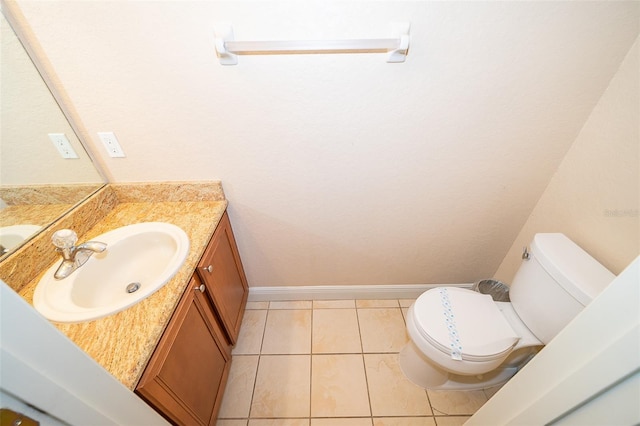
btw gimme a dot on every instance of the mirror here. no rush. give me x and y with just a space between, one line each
37 185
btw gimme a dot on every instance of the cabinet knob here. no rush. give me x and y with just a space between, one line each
201 287
208 268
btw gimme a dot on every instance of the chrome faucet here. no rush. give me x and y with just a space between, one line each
73 256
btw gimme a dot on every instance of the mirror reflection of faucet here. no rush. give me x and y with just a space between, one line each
73 256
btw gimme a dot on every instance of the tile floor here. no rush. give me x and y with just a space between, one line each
333 363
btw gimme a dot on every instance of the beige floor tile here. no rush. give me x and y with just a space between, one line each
456 402
335 331
338 386
452 420
382 330
287 332
377 303
257 305
237 395
404 421
390 392
279 422
334 304
251 332
231 423
354 421
405 303
291 304
289 387
283 387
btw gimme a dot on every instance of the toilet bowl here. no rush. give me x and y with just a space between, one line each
476 337
464 340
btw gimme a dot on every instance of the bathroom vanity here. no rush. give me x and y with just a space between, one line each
173 349
185 377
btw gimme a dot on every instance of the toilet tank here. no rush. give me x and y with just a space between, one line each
555 284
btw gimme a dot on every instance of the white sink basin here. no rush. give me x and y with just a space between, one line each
13 236
144 255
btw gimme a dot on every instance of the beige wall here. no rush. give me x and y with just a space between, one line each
343 169
593 197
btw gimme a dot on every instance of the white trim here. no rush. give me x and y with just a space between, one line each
41 367
338 292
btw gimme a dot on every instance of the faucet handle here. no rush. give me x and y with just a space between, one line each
64 238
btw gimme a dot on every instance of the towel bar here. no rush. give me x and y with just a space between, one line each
228 49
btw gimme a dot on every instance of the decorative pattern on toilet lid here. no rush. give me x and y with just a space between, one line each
450 319
463 323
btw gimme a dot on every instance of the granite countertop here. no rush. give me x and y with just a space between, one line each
40 204
35 214
124 342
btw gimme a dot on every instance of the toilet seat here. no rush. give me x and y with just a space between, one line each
463 324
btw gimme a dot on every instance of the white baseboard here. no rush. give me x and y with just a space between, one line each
338 292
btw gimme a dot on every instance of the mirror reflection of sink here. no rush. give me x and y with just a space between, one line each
139 260
12 236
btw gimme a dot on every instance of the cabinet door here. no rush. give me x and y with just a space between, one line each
221 270
186 375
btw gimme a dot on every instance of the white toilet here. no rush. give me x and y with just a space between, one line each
463 340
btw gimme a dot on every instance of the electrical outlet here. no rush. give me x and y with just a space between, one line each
111 144
62 144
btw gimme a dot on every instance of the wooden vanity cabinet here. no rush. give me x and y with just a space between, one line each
221 271
185 378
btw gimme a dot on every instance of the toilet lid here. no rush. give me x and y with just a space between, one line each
463 323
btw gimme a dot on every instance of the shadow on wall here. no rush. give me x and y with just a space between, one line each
393 258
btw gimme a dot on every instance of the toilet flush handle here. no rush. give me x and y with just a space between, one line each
525 253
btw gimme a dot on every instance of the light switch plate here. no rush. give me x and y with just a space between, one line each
111 144
63 145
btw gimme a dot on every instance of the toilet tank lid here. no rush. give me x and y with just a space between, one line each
573 268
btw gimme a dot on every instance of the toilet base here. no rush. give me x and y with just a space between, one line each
420 371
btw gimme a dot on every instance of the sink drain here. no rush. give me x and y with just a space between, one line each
131 288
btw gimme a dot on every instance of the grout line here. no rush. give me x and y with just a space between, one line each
311 366
364 364
255 379
433 413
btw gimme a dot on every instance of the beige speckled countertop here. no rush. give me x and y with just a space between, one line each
123 343
35 214
40 204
